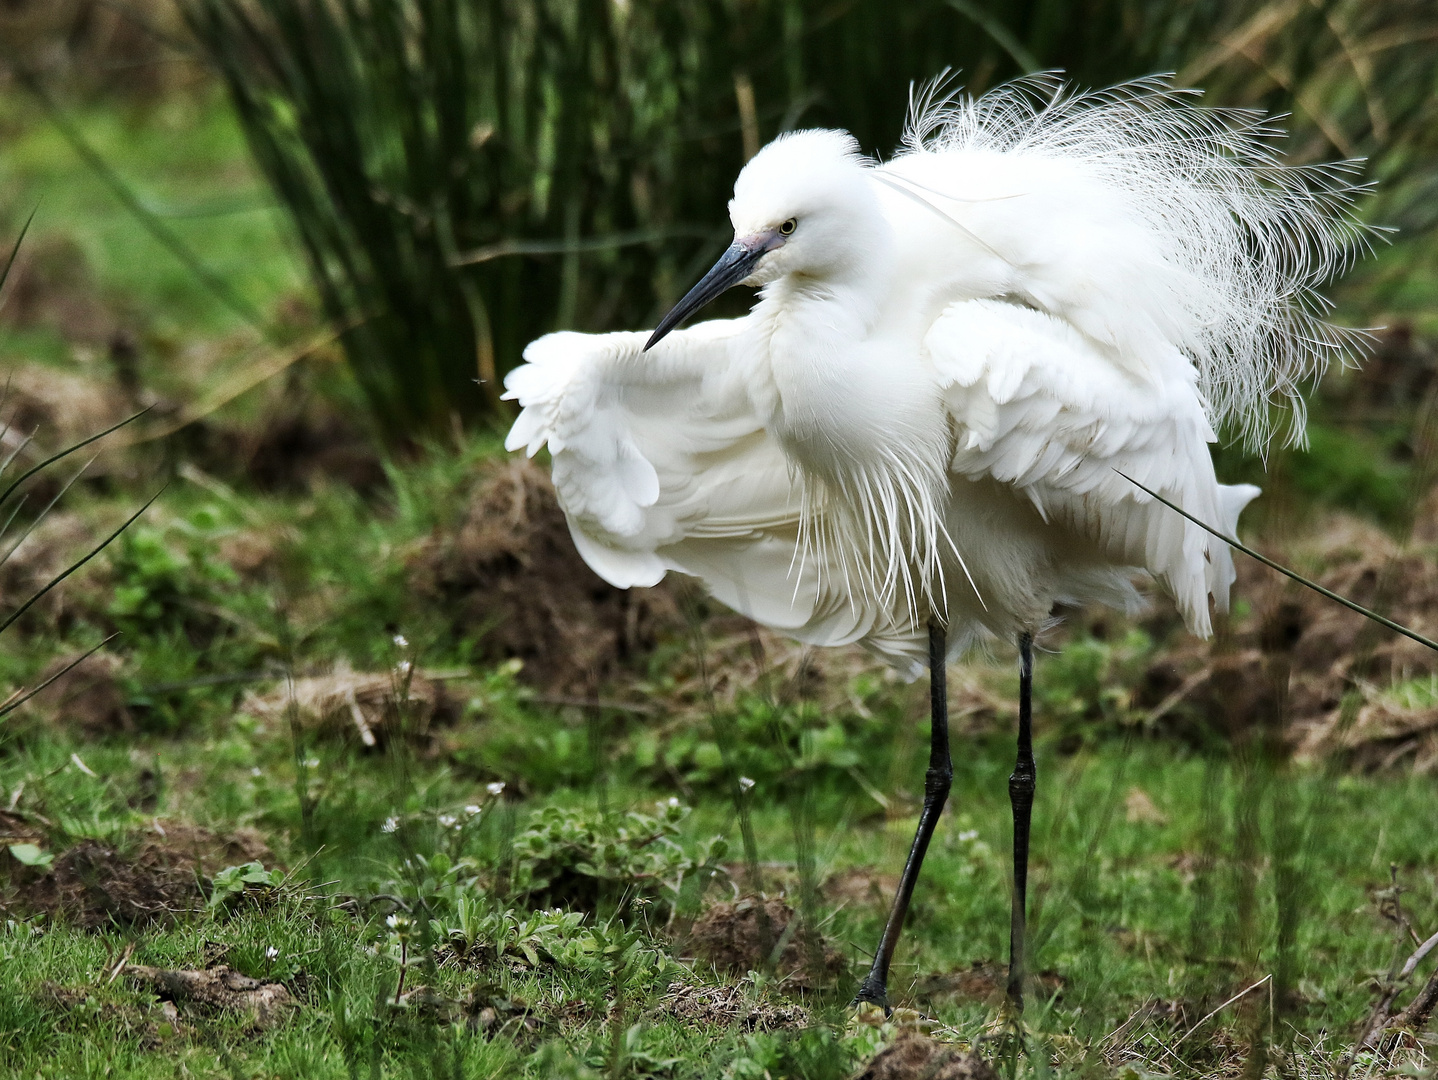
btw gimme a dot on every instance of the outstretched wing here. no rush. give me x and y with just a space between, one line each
661 462
1038 407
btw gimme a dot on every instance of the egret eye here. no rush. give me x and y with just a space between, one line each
788 227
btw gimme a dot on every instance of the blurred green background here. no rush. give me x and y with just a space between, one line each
440 181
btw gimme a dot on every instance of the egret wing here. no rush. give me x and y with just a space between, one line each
662 462
1038 407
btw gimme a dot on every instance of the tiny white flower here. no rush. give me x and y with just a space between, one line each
968 834
255 772
471 809
401 641
745 784
673 801
447 820
312 763
390 824
402 667
495 788
271 953
392 922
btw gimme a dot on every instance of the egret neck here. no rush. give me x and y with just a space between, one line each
861 417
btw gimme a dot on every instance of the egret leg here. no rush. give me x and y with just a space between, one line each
937 781
1021 797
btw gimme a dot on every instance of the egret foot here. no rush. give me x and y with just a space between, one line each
1021 798
937 781
872 993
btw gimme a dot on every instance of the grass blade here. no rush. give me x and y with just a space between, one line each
153 224
1398 628
10 706
68 451
28 604
40 516
15 250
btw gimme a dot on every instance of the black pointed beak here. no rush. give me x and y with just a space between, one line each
736 264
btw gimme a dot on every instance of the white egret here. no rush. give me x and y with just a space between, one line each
921 435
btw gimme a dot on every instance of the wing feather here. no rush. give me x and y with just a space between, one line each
662 462
1038 407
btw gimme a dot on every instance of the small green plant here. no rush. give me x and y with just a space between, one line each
817 1052
482 932
167 577
31 855
576 856
773 744
250 882
1086 690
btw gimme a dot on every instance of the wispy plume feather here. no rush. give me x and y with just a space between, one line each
1245 240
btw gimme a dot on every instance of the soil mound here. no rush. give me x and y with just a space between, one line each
88 699
511 575
750 934
96 884
1300 655
215 989
914 1057
363 704
986 981
59 540
728 1006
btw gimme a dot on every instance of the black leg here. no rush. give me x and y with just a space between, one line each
875 987
1021 797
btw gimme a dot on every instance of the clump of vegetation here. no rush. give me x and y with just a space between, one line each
440 161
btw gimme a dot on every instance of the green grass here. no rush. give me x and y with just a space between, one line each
1120 914
1182 907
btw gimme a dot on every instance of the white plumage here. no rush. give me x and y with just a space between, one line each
953 355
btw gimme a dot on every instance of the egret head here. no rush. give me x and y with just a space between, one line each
802 205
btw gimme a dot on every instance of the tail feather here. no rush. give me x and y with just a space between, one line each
1232 499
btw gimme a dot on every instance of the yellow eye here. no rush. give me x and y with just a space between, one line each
788 227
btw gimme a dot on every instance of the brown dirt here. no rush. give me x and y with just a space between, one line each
99 46
914 1057
88 700
215 989
1322 650
94 884
986 981
57 542
251 553
861 886
51 286
295 449
204 849
1139 808
18 829
59 408
510 572
726 1006
741 936
358 704
299 441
